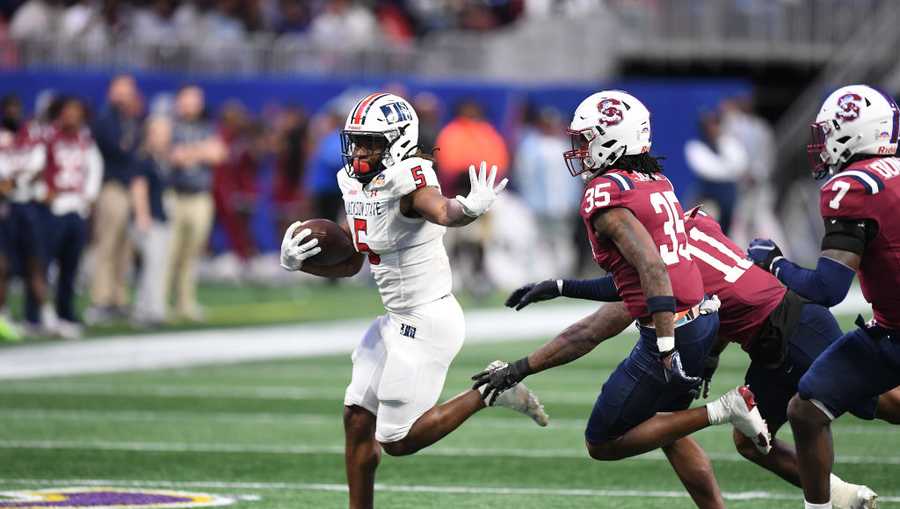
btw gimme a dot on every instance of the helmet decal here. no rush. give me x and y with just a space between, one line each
359 114
396 112
895 123
610 113
849 107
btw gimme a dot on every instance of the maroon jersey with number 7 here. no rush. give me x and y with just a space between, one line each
870 189
653 202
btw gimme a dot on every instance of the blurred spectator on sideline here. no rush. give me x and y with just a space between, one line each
320 181
719 161
234 180
30 218
550 193
196 148
468 139
117 132
10 124
755 215
73 175
291 148
428 107
152 233
155 24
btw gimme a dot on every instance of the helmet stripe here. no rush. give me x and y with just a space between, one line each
359 115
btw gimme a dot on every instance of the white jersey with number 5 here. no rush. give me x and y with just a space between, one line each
406 254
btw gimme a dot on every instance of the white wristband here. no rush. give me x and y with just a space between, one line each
665 343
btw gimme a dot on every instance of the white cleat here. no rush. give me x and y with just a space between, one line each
745 417
845 495
521 399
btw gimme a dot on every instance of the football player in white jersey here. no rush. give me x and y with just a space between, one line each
397 217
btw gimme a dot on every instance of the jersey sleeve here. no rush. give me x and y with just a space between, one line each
605 192
849 196
414 174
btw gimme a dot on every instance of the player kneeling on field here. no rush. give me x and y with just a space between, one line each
397 216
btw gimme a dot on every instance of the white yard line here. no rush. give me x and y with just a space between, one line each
300 419
224 346
406 488
338 449
227 346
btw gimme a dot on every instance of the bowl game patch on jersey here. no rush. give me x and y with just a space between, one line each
130 498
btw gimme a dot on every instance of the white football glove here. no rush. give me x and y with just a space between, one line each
483 192
293 253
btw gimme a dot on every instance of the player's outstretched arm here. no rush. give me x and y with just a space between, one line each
574 342
601 289
827 284
429 203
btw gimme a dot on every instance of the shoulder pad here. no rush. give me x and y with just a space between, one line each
408 175
848 193
605 191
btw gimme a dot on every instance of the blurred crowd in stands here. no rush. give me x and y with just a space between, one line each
134 201
352 22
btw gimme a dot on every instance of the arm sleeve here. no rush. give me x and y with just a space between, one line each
601 289
827 284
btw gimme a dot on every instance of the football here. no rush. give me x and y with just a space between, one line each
336 244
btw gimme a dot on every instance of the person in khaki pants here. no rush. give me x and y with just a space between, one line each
117 131
196 148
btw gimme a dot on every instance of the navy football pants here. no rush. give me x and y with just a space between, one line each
774 388
637 389
852 370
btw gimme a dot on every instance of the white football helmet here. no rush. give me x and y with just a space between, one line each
856 119
606 126
386 126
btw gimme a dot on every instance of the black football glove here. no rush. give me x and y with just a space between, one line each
710 365
674 373
533 292
764 252
500 379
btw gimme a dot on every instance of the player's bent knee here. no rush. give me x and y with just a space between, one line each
803 412
600 451
745 447
358 421
889 406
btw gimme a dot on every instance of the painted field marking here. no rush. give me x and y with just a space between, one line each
174 447
402 488
482 421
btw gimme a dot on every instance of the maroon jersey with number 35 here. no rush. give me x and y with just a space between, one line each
748 293
870 189
652 201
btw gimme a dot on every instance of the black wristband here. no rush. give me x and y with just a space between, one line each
522 368
661 303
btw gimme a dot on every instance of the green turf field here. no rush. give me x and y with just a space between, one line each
273 431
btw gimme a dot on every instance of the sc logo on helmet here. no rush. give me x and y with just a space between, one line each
610 114
849 107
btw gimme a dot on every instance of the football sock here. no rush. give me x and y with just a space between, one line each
716 412
809 505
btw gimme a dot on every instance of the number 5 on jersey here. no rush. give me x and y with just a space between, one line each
359 239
